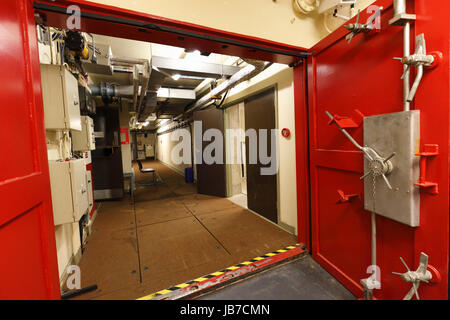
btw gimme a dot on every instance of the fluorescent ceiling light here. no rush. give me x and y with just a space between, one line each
176 77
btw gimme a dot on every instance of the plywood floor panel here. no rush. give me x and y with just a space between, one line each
169 235
151 212
244 234
110 219
148 193
110 261
175 246
210 205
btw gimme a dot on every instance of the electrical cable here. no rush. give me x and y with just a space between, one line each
223 100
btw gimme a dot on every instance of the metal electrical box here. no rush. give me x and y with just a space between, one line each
84 140
103 65
399 133
90 191
69 190
60 97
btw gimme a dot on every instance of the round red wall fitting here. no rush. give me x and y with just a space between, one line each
285 132
438 57
435 273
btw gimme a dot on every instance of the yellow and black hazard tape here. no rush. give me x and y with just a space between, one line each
218 273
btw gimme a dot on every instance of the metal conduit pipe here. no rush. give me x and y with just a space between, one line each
406 52
254 67
145 82
416 83
113 90
125 90
225 96
136 88
373 221
399 9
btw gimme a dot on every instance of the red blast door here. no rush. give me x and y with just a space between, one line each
28 263
362 75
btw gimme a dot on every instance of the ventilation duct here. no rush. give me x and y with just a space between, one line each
254 67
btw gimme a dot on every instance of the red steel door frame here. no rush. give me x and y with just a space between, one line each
363 76
124 23
431 237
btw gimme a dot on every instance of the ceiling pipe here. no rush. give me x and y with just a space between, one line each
113 90
144 88
127 61
136 80
130 90
254 67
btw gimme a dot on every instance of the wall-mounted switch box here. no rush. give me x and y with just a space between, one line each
84 140
69 190
60 97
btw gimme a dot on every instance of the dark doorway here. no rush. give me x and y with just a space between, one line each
107 156
261 189
211 178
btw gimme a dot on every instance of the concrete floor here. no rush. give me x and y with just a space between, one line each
301 279
169 235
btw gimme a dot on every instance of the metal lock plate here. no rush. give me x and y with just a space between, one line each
399 133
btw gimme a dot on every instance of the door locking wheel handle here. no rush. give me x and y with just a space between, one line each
378 166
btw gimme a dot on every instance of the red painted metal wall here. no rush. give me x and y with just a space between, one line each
363 76
338 77
28 265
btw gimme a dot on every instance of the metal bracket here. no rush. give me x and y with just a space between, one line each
424 273
347 122
402 18
346 197
429 150
419 59
357 28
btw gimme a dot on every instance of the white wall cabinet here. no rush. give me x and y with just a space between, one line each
84 140
60 97
69 190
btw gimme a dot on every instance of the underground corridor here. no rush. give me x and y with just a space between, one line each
167 167
168 235
256 150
